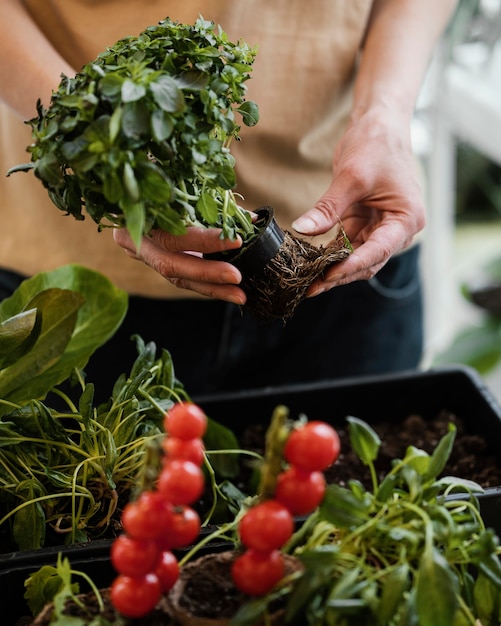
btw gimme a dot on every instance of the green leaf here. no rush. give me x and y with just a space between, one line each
219 437
135 215
364 440
436 591
17 335
250 113
167 94
29 526
441 454
101 313
41 587
487 600
342 508
395 584
130 183
132 91
208 208
58 310
162 125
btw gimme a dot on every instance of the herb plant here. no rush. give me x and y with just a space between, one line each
140 136
413 551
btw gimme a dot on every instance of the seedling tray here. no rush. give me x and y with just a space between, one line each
459 390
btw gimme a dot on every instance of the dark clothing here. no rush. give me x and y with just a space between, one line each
364 328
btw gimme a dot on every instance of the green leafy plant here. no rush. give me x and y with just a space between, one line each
414 550
65 475
51 324
56 583
141 135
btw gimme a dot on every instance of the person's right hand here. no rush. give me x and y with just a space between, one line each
179 259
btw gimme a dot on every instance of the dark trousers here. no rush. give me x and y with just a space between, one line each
365 328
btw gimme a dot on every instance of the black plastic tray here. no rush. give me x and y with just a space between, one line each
457 389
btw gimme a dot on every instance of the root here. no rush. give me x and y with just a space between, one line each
282 286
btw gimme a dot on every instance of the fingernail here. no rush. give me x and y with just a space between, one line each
304 225
240 300
229 277
317 292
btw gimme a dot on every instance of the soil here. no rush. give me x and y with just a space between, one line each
281 287
471 459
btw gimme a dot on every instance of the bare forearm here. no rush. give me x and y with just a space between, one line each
400 39
30 68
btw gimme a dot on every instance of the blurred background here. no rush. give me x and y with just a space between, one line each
457 134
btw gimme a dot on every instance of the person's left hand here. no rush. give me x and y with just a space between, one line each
376 195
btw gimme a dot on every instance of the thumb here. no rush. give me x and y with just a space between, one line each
325 213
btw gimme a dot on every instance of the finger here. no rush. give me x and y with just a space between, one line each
228 293
329 208
365 261
188 266
203 240
196 239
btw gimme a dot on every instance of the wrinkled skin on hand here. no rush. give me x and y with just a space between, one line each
178 258
376 194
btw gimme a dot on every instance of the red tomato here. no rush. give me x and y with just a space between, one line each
185 420
301 492
266 526
183 529
181 482
147 517
185 449
256 573
134 557
312 447
167 570
135 596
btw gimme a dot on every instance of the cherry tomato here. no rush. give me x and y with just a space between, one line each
135 596
256 573
180 482
185 420
147 517
183 530
312 447
134 557
167 570
185 449
266 526
301 492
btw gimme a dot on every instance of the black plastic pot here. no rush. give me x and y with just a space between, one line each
252 257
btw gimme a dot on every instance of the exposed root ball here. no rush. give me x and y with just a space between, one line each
282 285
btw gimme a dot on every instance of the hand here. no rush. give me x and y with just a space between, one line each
375 193
179 260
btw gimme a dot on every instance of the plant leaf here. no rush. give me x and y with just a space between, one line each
29 526
436 591
58 309
364 440
342 508
17 335
487 601
102 311
441 454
